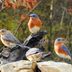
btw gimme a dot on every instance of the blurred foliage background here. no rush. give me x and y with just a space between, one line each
56 16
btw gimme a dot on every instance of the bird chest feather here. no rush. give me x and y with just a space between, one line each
34 22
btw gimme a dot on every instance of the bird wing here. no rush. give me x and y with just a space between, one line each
32 51
66 49
11 38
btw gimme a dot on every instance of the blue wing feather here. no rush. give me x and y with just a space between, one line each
66 49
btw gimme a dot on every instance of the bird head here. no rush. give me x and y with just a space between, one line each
3 31
32 51
33 16
60 41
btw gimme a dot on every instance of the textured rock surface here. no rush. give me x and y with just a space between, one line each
20 66
51 66
27 66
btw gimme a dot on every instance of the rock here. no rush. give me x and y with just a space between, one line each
50 66
28 66
5 52
33 40
19 66
18 53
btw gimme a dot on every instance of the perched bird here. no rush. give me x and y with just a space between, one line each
61 50
34 23
35 54
8 39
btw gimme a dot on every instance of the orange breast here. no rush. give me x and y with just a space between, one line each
60 50
34 22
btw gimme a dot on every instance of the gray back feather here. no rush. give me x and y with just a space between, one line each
10 37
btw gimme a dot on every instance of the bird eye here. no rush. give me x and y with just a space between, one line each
33 16
36 52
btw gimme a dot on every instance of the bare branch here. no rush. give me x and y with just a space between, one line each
1 5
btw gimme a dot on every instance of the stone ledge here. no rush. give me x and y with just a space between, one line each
19 66
28 66
51 66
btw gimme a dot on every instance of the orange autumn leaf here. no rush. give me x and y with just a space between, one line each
7 3
29 0
31 3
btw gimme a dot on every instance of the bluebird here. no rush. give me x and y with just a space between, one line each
34 23
61 50
35 54
8 39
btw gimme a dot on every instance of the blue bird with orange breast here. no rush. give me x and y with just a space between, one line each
34 23
61 50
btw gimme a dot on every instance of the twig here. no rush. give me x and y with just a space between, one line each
62 18
63 13
2 6
2 9
69 30
27 15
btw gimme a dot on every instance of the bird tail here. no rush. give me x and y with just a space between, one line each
23 47
46 55
19 46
